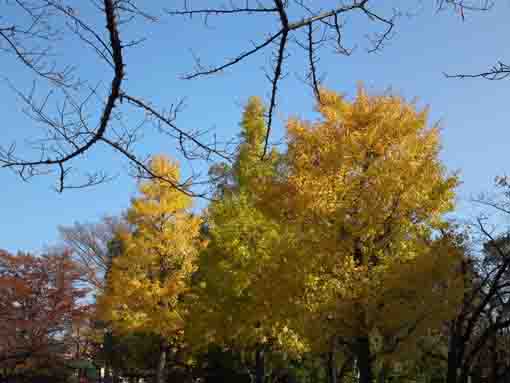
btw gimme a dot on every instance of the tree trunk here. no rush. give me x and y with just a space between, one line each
493 375
332 375
115 376
259 365
364 360
381 377
107 377
452 366
347 365
160 372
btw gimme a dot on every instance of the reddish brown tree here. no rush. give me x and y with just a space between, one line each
41 299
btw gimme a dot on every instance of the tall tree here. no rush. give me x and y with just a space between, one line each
234 306
364 190
148 281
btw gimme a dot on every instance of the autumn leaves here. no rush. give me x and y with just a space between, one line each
336 238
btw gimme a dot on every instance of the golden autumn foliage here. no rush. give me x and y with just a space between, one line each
235 293
148 280
362 196
341 239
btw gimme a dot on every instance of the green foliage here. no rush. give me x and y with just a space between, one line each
231 308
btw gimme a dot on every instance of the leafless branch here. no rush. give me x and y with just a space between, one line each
477 5
481 316
145 171
313 61
500 71
181 134
284 36
60 159
204 72
220 11
66 110
88 113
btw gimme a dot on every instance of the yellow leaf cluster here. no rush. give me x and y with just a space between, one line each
364 192
238 287
148 280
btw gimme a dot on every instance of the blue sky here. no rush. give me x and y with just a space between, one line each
474 114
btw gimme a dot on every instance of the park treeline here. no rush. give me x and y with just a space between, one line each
331 258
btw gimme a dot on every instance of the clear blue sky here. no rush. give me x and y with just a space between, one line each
474 113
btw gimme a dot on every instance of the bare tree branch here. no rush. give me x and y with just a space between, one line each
72 127
281 10
7 160
242 56
182 135
500 71
88 113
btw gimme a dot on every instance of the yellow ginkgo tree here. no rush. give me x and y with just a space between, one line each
365 193
148 281
235 289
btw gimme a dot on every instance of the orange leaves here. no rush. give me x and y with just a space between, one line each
40 298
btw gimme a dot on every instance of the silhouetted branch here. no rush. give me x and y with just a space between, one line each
473 5
77 114
59 159
313 61
66 111
499 71
204 72
182 135
282 11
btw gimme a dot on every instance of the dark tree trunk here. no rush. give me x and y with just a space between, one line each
347 366
259 365
160 371
107 374
381 377
364 360
115 376
493 377
332 367
451 375
453 359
